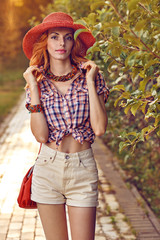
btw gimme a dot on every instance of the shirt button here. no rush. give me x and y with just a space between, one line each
67 157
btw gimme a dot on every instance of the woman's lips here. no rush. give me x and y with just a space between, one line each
61 51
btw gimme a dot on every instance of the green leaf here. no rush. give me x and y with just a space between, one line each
82 22
158 133
132 4
132 134
140 25
143 84
158 81
92 18
146 131
117 100
124 95
118 88
98 4
127 109
116 31
156 22
123 145
157 120
135 107
76 34
149 115
143 107
151 63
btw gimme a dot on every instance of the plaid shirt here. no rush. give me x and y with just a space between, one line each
70 113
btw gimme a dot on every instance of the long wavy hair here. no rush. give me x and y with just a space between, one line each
40 56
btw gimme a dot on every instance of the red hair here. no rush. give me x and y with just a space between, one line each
40 54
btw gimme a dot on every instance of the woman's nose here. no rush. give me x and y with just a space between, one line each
62 41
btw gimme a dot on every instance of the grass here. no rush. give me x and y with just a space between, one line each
11 85
8 100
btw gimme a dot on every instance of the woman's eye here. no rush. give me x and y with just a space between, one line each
54 37
69 38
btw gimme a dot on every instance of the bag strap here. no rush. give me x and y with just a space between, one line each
39 90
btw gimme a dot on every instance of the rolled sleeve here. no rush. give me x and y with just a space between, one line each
28 98
101 87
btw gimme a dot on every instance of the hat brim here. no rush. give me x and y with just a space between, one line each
33 35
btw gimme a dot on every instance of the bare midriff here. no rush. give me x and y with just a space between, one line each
69 145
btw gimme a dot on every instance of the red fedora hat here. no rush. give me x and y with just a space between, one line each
56 19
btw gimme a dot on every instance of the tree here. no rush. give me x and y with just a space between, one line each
128 40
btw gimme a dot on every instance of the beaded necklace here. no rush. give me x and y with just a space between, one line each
62 78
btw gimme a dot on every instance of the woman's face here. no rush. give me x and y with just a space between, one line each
60 43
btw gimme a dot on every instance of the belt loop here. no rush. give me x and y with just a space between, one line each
54 156
79 159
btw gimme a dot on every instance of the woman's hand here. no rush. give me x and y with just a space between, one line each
29 75
92 70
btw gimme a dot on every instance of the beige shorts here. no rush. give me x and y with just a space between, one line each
70 178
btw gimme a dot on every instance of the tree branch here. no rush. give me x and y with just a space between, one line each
116 60
124 21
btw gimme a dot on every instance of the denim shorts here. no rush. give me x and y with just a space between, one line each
70 178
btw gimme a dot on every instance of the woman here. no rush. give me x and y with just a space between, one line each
66 96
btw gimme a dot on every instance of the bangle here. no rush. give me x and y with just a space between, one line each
34 108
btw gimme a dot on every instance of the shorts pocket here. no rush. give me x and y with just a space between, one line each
89 164
43 160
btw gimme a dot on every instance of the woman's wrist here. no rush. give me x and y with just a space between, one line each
90 83
33 86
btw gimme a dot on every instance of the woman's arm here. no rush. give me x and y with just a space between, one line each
39 125
98 115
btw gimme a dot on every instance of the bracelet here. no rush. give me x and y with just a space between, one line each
34 108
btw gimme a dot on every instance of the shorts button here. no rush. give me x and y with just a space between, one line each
67 157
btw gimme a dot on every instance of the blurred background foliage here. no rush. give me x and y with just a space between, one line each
127 51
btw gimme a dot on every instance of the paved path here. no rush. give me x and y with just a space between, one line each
18 150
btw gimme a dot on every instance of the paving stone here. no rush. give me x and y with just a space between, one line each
17 219
5 216
105 220
102 205
10 238
27 236
39 231
129 237
3 229
113 235
39 238
107 227
98 229
13 233
124 227
100 238
2 236
28 228
105 187
120 216
15 226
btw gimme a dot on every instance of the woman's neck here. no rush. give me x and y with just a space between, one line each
60 68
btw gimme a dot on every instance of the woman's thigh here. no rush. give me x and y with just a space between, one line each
82 222
53 218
